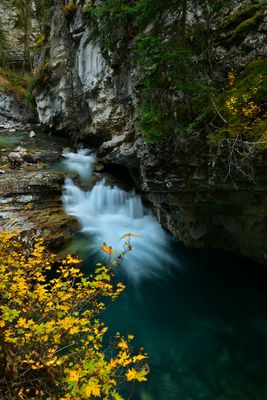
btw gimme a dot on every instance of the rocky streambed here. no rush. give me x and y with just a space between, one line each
31 182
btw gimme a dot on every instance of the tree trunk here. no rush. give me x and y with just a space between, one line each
183 21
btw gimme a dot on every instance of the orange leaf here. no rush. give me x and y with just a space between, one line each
107 249
129 235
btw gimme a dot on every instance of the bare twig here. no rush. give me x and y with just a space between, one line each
241 157
218 112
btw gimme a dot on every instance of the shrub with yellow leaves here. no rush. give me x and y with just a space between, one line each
244 107
51 341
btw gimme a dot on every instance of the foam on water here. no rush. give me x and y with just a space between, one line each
106 213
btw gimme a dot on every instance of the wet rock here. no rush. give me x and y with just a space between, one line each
21 156
31 182
99 167
30 198
16 157
32 203
32 134
42 156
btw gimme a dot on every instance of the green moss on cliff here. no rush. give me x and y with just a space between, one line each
245 13
40 41
245 20
87 10
255 71
42 76
247 25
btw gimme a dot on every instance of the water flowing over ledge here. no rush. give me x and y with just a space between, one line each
106 213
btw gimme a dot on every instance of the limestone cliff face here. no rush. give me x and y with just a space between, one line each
83 95
91 93
14 111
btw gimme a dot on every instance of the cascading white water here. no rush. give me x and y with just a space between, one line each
81 162
107 213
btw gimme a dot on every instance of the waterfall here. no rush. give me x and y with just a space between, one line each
107 213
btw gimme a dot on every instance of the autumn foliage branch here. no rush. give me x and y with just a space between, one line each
51 340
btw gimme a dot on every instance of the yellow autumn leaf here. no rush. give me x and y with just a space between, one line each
112 363
124 359
130 337
73 376
139 357
53 361
139 376
72 260
131 374
92 388
22 322
123 344
74 330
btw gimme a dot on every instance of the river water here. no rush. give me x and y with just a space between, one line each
201 315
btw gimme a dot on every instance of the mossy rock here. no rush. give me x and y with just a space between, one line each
87 11
249 24
40 41
245 13
249 78
42 77
246 20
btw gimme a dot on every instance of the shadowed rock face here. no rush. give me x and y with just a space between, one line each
92 94
14 112
191 199
30 197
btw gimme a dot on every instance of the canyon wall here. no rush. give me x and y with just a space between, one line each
200 191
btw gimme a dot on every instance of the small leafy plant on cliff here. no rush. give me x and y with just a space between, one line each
243 104
14 82
69 9
245 108
42 75
51 339
40 40
243 114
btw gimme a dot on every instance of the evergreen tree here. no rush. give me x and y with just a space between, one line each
3 45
